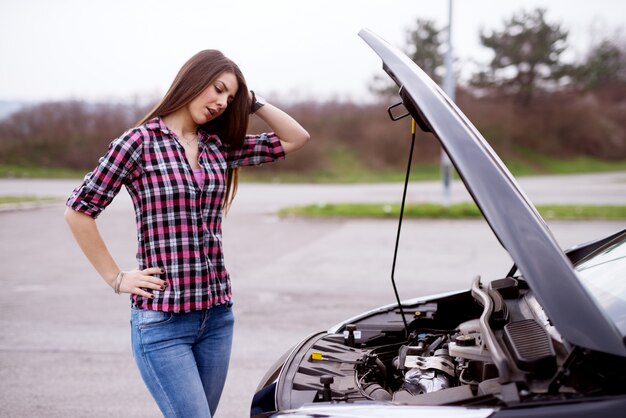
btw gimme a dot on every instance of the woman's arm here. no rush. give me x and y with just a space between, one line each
90 241
292 135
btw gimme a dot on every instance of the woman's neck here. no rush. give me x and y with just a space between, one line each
181 123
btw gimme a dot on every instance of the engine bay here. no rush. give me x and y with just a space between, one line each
490 346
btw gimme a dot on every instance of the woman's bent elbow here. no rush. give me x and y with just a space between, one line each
71 216
302 139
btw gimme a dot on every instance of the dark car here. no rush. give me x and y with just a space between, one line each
546 339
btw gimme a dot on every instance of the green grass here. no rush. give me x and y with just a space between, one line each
530 162
12 199
583 165
613 212
457 211
24 171
345 167
424 173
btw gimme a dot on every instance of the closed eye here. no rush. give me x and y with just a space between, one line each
219 88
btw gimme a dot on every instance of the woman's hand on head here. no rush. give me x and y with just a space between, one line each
137 281
292 135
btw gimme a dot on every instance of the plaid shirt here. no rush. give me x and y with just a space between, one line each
179 225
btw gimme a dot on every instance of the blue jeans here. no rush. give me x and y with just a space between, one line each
183 357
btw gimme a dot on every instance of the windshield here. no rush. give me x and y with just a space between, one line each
604 274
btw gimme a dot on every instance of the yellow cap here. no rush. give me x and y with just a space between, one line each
316 355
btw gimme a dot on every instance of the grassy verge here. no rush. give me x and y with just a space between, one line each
15 200
542 164
345 167
19 171
457 211
424 173
350 172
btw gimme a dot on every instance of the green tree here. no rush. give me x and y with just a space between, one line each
604 65
527 53
424 45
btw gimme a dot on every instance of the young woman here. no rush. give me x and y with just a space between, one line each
180 169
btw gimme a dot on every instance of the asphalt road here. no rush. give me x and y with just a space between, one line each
65 341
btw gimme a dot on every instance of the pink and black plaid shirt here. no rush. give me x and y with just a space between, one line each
179 225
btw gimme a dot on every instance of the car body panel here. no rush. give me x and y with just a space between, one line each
384 410
511 216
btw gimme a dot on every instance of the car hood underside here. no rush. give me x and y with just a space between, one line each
511 216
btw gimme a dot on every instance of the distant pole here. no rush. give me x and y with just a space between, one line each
448 87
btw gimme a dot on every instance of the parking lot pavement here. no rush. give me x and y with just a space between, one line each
65 343
598 188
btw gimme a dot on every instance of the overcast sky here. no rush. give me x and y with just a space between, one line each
290 49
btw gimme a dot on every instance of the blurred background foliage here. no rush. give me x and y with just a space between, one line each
540 113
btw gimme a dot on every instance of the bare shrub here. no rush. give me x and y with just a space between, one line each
70 134
75 134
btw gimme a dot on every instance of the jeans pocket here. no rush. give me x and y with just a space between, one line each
147 318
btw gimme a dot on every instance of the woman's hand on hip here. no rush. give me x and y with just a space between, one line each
136 281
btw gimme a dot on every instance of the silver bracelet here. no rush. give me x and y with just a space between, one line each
118 281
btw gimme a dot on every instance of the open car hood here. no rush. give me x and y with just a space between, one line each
511 216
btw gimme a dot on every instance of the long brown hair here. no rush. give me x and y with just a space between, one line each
231 126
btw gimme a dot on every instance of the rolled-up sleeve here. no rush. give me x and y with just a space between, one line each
257 149
117 167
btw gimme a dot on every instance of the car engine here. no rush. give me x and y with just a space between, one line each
484 347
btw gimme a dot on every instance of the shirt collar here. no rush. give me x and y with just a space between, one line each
206 137
157 124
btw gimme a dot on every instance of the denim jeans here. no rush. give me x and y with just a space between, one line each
183 357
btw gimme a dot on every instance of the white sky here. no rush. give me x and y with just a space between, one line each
291 49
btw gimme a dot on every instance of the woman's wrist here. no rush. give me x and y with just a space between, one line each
118 282
257 102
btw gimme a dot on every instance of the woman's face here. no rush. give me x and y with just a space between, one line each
214 100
